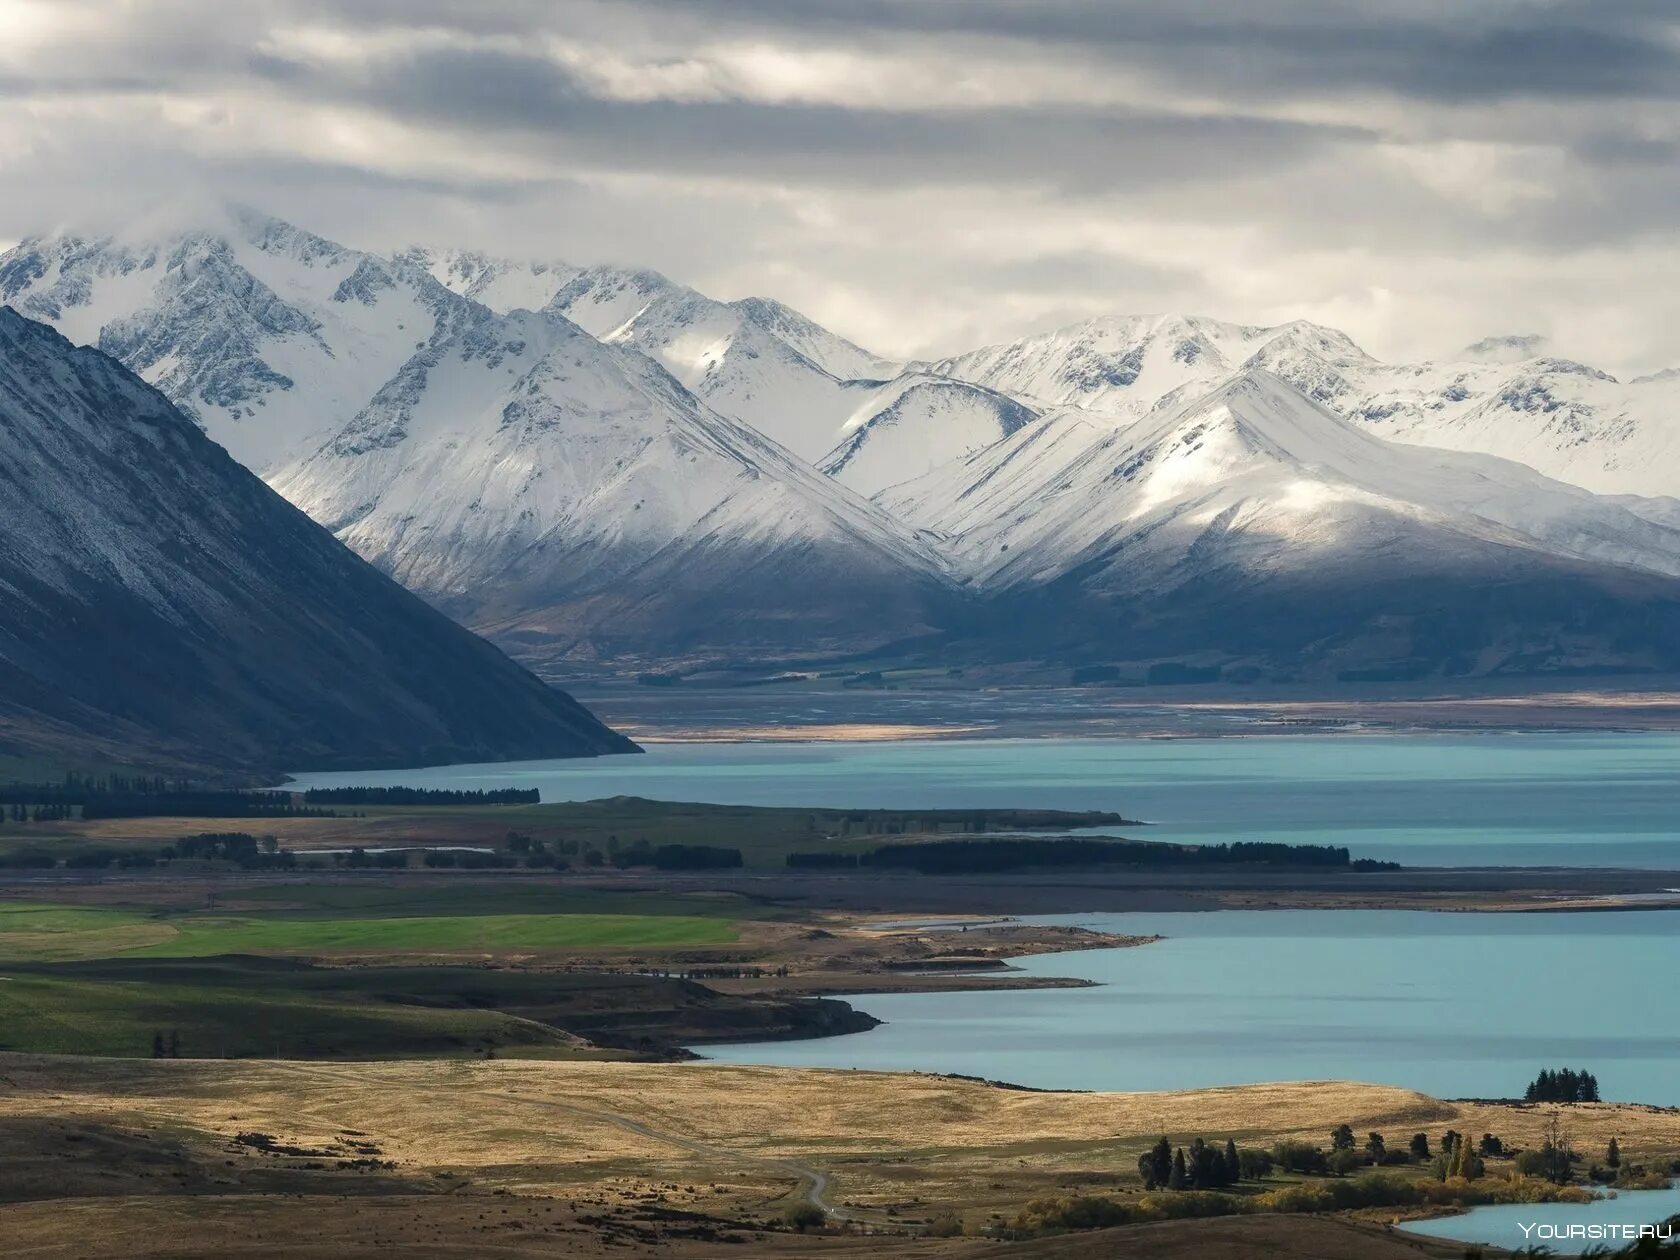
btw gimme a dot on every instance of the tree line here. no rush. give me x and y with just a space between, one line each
1563 1085
966 857
421 796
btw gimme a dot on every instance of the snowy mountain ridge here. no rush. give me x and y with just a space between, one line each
530 478
1566 419
601 464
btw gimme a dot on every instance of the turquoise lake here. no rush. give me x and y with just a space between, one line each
1482 800
1549 1224
1455 1005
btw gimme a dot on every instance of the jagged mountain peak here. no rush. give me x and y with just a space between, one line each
1124 365
500 283
265 333
840 358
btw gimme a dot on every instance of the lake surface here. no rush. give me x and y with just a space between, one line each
1501 1225
1455 1005
1605 799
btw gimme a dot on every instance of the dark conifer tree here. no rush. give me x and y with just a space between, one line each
1178 1179
1161 1157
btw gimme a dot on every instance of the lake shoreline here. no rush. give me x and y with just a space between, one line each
1302 994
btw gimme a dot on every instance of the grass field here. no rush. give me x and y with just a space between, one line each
488 934
240 1007
303 920
57 1015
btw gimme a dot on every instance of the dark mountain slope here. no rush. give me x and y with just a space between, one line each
160 604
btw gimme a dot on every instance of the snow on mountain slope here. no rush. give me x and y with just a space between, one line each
721 352
266 334
1123 365
159 605
1567 420
829 351
1664 511
1250 521
502 284
1263 460
572 498
915 423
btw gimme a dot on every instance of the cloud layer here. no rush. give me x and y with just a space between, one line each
923 175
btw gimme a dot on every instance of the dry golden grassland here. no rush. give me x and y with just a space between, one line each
555 1143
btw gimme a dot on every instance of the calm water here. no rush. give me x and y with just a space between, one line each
1502 1225
1530 799
1456 1005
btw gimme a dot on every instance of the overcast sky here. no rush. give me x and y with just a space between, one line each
921 175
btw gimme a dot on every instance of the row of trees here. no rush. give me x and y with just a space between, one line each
18 812
200 805
1564 1085
422 796
975 856
1203 1166
77 789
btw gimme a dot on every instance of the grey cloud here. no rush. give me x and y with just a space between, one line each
1486 50
1077 149
903 217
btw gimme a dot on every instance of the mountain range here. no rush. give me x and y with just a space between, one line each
600 467
161 604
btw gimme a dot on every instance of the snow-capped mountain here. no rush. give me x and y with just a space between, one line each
829 351
266 334
1123 365
915 423
160 605
602 463
573 498
1565 419
1250 519
502 284
747 360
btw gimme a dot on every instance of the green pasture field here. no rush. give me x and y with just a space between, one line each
47 932
51 1014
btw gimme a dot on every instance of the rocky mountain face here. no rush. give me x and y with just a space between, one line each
599 465
267 335
158 597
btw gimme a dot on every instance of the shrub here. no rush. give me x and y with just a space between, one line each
1075 1212
1343 1161
1299 1157
1189 1204
804 1216
945 1225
